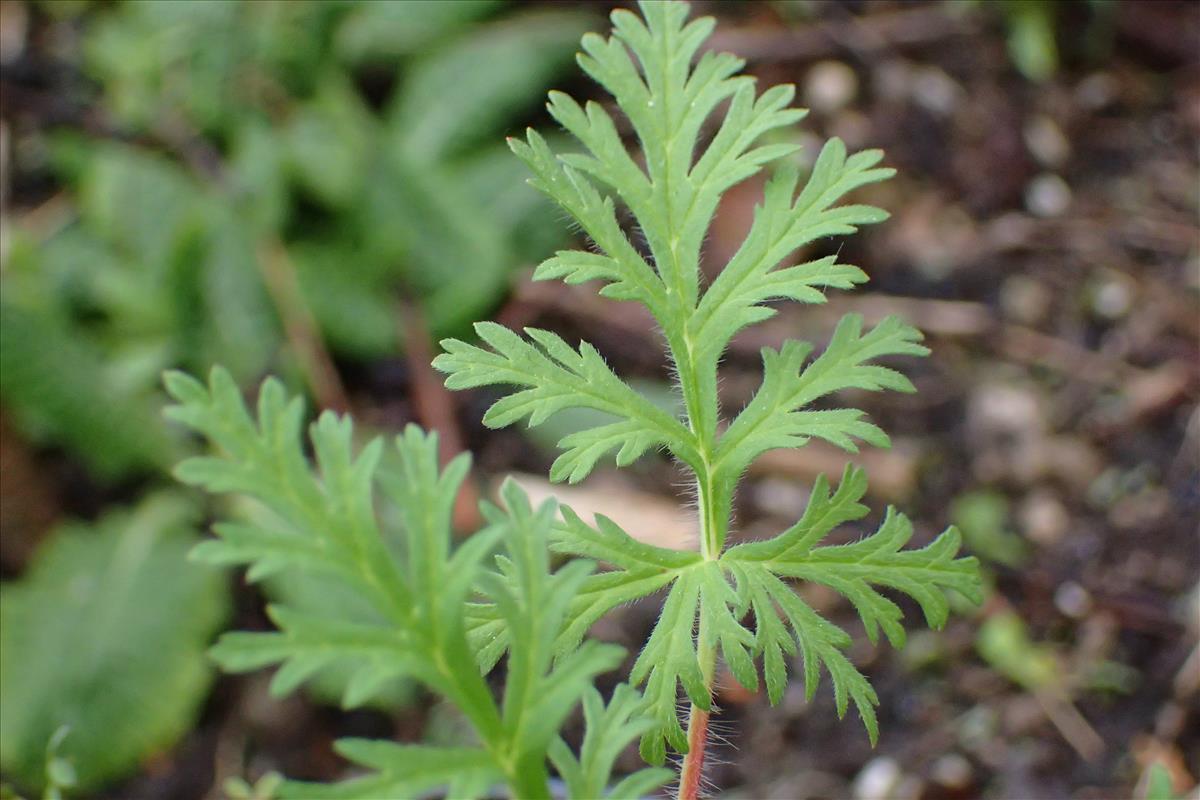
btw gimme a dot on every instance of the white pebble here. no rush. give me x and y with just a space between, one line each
1047 195
936 91
830 86
1046 141
1073 600
877 780
1113 299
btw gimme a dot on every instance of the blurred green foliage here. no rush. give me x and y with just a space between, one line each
105 635
982 516
252 129
1033 28
1004 642
359 142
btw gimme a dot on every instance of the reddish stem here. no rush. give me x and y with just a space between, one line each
693 762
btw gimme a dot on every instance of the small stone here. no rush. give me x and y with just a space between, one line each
893 79
1072 459
999 409
1047 195
1046 142
830 86
1073 600
1043 518
1025 300
935 91
1112 299
953 772
878 779
1096 91
978 727
1011 231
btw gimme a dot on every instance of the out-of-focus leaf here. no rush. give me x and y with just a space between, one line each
257 177
497 182
385 31
328 142
440 242
1157 782
449 103
982 517
106 634
354 305
239 322
1031 37
289 41
319 595
59 387
154 58
1004 643
142 204
62 274
206 63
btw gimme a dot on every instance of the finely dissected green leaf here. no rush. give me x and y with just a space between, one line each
922 574
820 644
325 521
608 730
329 516
641 569
782 224
824 513
120 597
668 659
608 543
342 682
540 690
667 90
774 417
854 570
877 560
557 376
411 617
404 771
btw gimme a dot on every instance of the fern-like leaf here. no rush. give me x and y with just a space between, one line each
556 376
669 91
775 416
417 586
607 731
853 570
404 771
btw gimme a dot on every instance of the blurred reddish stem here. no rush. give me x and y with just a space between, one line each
300 327
435 409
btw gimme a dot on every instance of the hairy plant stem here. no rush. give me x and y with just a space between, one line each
692 772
